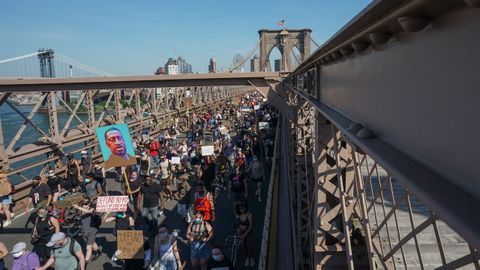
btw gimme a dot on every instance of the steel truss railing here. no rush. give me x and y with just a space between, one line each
143 108
349 211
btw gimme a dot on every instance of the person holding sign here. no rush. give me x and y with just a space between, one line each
165 251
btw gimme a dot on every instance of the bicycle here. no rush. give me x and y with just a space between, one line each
232 245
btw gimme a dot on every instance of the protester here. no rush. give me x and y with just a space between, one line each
99 175
86 163
237 185
40 193
55 184
165 251
204 203
134 185
24 259
90 224
256 172
151 197
199 232
45 226
154 148
244 223
3 253
144 166
6 190
219 261
72 174
93 189
67 254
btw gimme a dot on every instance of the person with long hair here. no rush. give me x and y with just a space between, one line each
244 224
199 232
165 251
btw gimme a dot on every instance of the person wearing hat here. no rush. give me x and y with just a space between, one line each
67 253
24 259
55 184
40 192
3 253
72 174
6 190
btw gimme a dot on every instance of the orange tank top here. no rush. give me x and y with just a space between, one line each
203 204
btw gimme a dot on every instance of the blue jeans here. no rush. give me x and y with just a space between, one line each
153 211
154 161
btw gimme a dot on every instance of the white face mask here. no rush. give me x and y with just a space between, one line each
18 254
198 220
217 257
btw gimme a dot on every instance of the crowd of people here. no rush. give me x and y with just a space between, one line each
166 169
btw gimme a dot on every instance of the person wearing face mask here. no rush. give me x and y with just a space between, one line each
40 192
93 189
144 166
67 254
55 184
72 174
165 251
199 232
85 163
24 259
45 226
219 261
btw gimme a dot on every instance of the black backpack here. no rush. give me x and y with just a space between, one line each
72 252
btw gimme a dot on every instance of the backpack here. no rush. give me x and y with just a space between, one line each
72 252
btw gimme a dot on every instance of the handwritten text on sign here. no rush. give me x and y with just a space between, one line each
130 243
112 204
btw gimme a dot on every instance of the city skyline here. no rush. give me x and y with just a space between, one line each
125 38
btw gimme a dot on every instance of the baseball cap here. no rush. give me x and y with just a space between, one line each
18 247
56 237
83 152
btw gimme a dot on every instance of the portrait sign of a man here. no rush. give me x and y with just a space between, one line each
116 145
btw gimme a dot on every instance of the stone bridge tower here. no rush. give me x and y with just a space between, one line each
284 40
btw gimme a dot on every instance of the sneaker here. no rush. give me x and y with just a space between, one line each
12 215
6 223
161 213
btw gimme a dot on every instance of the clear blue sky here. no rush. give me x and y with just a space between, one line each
135 37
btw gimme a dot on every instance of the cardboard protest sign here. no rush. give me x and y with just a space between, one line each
223 130
263 125
112 204
69 201
175 160
116 145
130 244
245 109
207 150
4 188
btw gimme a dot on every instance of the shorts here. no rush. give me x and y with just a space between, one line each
89 236
7 200
200 250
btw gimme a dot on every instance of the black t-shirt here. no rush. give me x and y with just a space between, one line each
217 265
135 184
53 183
39 193
151 195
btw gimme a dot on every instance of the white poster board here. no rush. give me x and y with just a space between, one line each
175 160
207 150
263 125
256 107
112 204
245 109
